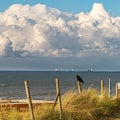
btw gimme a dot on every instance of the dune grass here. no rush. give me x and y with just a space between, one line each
86 106
90 106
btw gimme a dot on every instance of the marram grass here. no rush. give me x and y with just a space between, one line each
90 106
86 106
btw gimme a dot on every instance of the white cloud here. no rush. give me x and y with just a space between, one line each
42 31
5 46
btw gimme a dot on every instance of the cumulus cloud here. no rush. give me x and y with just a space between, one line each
42 31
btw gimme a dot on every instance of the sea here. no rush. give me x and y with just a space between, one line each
42 83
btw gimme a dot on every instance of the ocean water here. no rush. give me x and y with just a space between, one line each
42 83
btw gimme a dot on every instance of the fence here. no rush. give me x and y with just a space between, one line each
58 94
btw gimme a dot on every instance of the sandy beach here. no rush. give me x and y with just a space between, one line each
22 104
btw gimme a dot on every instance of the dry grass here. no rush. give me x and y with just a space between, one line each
90 106
85 106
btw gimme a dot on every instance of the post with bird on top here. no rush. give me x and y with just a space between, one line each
79 81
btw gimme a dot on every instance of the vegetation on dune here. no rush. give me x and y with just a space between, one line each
85 106
90 106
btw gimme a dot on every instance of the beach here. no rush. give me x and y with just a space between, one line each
42 86
85 105
22 104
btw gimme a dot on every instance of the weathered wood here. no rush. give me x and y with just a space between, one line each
29 99
116 91
109 94
79 87
59 97
56 99
102 88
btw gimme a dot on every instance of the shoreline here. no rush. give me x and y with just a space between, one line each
23 101
22 104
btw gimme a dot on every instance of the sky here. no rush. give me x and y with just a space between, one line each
65 35
71 6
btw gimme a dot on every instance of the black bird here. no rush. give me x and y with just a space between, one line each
79 78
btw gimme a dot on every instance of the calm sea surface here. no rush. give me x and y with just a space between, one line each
42 83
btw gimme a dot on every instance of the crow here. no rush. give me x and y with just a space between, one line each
79 78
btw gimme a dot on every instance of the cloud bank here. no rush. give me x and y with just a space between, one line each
42 31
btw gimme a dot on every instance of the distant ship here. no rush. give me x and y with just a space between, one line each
90 70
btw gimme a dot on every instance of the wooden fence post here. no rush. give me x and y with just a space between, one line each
29 99
58 97
79 87
109 94
116 90
102 88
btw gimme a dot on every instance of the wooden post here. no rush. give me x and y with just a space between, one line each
109 88
59 97
102 88
79 87
29 99
116 90
55 101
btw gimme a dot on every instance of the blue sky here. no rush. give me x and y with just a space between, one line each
64 41
71 6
